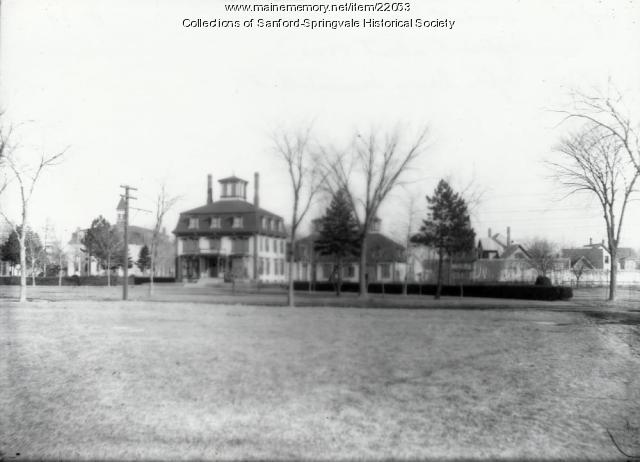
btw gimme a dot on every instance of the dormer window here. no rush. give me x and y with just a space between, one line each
215 223
193 223
237 222
270 224
264 223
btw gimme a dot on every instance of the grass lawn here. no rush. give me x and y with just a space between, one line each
141 380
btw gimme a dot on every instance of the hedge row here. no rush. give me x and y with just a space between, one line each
524 292
81 280
146 280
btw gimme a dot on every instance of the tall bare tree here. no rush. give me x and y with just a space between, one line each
368 172
542 255
306 182
26 175
164 203
594 161
408 224
606 111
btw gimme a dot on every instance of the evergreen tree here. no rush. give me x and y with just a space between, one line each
338 235
448 226
10 249
105 243
144 259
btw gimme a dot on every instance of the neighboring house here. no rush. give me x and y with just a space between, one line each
231 237
498 246
628 259
597 255
80 263
386 259
138 237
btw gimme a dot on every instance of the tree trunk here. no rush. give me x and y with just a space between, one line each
109 271
363 268
152 270
290 299
60 271
439 286
23 269
613 275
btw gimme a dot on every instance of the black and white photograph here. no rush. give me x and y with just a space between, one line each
325 230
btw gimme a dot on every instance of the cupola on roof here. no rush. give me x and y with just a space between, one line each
233 187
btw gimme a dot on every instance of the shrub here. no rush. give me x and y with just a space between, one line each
523 292
74 280
543 281
137 280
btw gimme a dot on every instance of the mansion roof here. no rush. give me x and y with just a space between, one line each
252 218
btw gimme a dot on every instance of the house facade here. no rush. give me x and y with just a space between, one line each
231 237
386 259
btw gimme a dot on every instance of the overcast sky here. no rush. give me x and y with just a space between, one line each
139 98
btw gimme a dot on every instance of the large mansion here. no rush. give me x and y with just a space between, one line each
231 237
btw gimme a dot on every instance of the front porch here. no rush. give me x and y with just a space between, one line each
221 267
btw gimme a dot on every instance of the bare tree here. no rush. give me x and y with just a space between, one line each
542 255
607 112
26 175
306 181
164 203
578 270
410 218
58 255
368 173
593 161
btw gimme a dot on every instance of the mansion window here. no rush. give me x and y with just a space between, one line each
237 222
215 222
190 245
240 246
282 246
214 244
385 271
327 270
193 223
261 266
270 224
268 269
606 259
266 244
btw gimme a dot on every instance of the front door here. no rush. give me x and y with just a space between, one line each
213 267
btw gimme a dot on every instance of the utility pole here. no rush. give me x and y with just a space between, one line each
125 265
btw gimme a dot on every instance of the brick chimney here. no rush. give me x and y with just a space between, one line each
590 241
256 189
508 236
489 232
209 190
